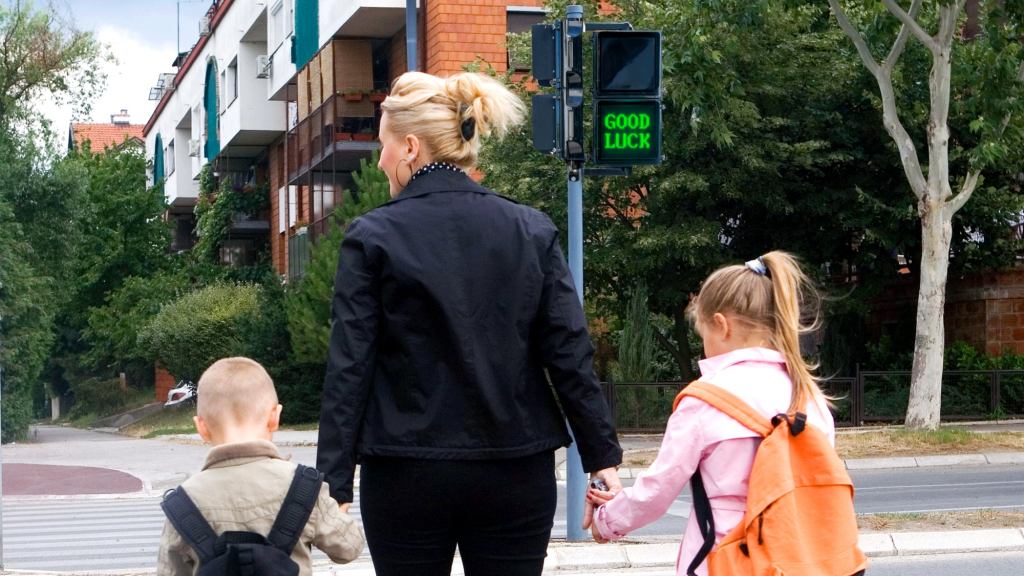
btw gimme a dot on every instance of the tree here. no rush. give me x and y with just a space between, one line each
308 304
40 53
759 155
996 129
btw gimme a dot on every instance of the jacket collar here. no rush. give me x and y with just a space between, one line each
225 454
711 366
439 181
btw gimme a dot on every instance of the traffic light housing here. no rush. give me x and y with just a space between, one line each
627 98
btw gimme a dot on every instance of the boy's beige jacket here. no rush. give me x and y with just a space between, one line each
241 487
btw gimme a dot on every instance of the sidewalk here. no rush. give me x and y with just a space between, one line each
660 553
567 556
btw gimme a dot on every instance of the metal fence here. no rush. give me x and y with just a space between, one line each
869 397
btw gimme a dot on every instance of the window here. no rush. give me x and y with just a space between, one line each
169 158
276 28
293 205
231 82
282 210
518 21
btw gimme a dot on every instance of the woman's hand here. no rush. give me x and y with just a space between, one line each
597 535
610 476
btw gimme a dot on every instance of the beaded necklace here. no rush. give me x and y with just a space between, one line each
427 169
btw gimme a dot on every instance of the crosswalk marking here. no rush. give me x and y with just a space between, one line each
102 534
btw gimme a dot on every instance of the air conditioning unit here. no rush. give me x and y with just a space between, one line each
204 26
193 147
263 67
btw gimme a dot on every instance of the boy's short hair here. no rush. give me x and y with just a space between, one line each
236 390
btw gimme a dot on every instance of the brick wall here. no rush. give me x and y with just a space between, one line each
164 383
985 310
278 240
460 31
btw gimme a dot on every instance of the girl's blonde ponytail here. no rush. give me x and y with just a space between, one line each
791 288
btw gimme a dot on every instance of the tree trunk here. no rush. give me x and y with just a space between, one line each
926 375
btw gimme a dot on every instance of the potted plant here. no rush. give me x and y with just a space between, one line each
378 96
300 226
352 95
364 135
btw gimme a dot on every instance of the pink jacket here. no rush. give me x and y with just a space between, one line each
699 435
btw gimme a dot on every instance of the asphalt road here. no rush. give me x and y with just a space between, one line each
898 490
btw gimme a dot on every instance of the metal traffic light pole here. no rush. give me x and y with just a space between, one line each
576 481
558 129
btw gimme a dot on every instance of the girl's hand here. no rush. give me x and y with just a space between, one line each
599 497
597 535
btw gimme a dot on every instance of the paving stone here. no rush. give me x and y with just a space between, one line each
911 543
952 460
877 463
590 557
877 545
1005 458
652 555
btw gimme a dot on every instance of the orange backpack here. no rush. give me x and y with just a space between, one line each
799 519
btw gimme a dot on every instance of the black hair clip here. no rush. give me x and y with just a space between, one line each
468 128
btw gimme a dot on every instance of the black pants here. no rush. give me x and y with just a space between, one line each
498 512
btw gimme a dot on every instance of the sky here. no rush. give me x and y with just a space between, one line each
141 35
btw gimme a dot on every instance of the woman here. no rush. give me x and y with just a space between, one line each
453 307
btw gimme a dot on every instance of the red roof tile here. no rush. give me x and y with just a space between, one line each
102 136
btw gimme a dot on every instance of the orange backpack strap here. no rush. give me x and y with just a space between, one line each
728 403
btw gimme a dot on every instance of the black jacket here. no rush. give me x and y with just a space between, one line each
449 303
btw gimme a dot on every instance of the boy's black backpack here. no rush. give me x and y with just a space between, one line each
247 553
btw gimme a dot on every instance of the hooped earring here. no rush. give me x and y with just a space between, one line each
398 176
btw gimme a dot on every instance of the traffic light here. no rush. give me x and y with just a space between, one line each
546 41
627 98
558 62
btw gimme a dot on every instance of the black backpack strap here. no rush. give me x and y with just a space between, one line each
190 524
295 510
705 521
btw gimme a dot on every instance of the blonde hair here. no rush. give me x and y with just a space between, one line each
772 302
436 110
236 391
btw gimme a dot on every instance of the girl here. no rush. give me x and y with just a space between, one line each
749 319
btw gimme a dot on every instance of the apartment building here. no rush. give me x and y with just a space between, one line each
286 94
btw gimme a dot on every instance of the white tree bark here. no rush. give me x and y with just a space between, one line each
935 200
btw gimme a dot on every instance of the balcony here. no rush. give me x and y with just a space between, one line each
331 140
362 18
249 123
180 189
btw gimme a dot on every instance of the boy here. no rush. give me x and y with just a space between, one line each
243 483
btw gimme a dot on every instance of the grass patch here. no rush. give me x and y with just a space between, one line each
937 521
83 420
884 443
172 420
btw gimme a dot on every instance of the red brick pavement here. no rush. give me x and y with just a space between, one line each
49 480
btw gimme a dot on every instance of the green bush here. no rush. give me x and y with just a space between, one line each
194 331
102 396
17 416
